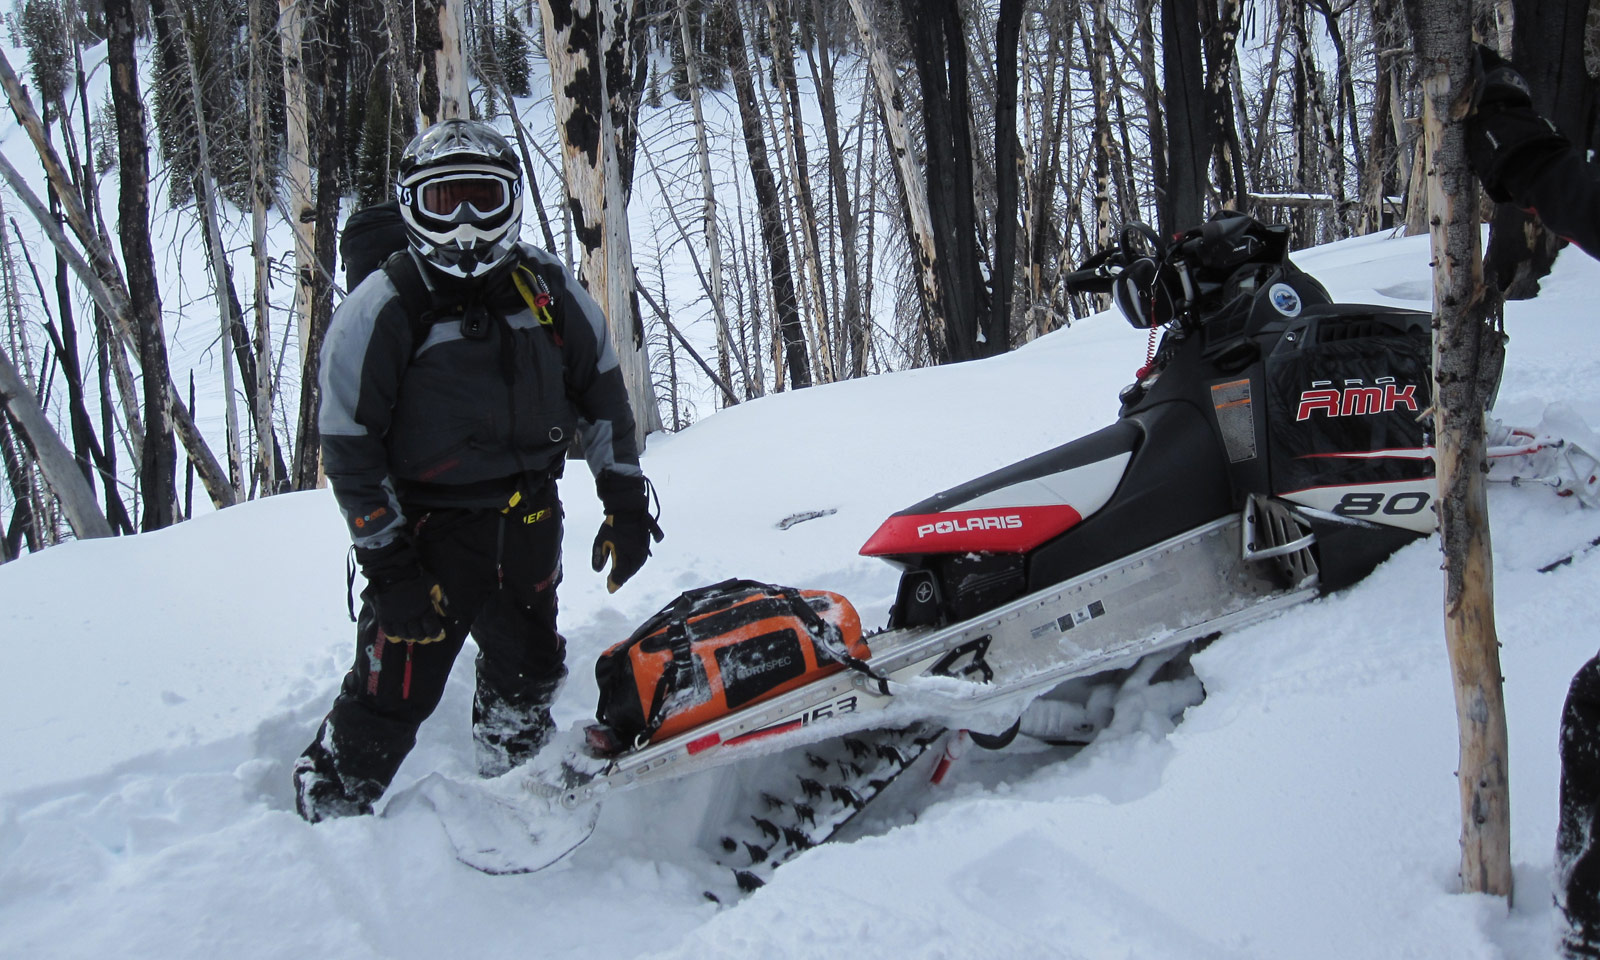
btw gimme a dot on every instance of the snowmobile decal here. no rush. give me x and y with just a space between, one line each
1396 503
1412 453
1013 519
1011 531
1356 401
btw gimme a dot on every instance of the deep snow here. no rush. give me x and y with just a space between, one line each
160 686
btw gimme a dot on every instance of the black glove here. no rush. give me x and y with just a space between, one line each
1505 134
408 599
624 537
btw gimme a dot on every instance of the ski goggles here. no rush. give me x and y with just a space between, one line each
443 198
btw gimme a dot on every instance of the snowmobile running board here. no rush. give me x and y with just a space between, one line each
981 673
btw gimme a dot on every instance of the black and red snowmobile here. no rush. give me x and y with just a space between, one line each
1272 449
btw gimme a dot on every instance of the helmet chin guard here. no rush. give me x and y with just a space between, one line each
460 194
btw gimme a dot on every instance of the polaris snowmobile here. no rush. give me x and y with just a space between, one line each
1274 448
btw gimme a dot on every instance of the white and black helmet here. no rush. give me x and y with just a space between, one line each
460 193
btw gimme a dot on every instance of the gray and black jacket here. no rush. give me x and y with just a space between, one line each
468 402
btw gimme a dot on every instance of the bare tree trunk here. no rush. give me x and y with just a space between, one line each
158 471
913 188
1008 31
587 45
1378 178
780 16
55 460
297 169
1098 42
1220 28
113 297
260 194
852 322
1466 345
939 47
1188 139
402 63
333 38
441 68
790 344
217 257
713 236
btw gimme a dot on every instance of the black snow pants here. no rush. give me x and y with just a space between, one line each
499 571
1577 849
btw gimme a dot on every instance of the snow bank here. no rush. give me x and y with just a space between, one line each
160 686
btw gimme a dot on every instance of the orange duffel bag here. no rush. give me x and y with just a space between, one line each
717 649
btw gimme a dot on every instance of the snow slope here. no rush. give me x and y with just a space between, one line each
159 687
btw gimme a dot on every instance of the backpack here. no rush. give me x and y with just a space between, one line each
716 649
371 236
375 238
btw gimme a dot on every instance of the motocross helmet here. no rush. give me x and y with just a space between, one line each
460 193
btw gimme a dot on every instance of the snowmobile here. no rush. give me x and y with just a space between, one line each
1272 448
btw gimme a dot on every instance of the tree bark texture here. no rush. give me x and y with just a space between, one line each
297 169
939 47
158 471
1188 141
590 57
113 298
261 189
1220 31
441 68
725 347
1008 32
853 326
217 257
1465 348
784 301
334 46
913 188
55 460
780 15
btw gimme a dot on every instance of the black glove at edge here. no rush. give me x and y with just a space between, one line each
625 536
408 600
1505 134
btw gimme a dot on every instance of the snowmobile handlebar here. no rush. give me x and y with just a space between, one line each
1155 282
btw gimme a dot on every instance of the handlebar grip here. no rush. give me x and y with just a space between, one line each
1091 280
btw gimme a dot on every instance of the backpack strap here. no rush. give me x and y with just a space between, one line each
419 303
415 297
535 292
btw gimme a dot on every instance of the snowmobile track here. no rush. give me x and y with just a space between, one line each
811 797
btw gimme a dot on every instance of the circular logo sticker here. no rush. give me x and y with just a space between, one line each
1284 299
924 592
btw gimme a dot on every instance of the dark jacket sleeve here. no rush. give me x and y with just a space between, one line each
594 377
1560 185
362 361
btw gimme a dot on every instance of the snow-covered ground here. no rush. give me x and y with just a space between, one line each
158 688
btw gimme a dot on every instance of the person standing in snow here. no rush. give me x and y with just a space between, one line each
1522 158
453 382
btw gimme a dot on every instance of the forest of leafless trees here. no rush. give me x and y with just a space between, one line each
763 195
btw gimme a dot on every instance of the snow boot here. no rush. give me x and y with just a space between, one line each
508 731
320 793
